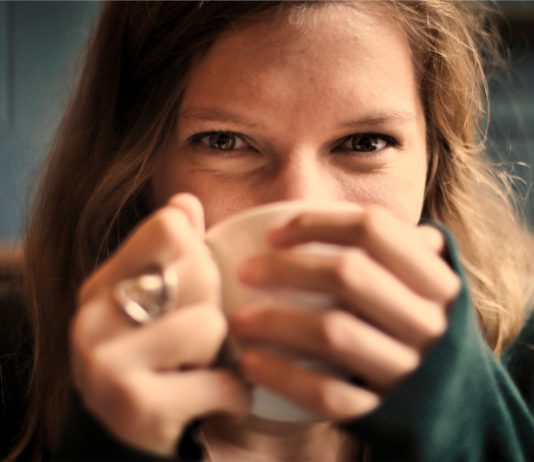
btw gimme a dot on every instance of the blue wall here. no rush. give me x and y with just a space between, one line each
39 46
40 43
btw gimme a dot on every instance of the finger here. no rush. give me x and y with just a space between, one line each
320 393
159 241
334 336
153 405
208 391
192 207
100 315
360 284
182 339
432 238
312 225
392 243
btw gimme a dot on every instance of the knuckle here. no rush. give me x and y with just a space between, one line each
432 238
432 327
99 362
406 363
211 274
207 319
166 225
449 289
455 286
371 221
203 272
411 361
301 221
333 330
438 325
433 233
346 267
214 323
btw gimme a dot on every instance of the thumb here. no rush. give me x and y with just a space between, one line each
192 208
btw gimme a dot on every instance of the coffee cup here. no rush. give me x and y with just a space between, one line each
243 235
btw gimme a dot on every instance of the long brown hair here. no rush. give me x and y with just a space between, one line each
93 190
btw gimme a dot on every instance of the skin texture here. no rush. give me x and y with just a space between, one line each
295 94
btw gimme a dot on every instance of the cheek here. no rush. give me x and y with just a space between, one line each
410 193
399 189
170 178
163 185
219 198
409 204
222 199
403 201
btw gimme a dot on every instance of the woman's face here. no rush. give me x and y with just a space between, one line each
327 108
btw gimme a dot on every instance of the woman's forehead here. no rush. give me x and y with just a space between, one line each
346 61
293 29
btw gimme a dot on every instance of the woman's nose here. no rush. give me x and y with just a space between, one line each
304 178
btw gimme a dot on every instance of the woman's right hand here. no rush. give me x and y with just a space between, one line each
145 384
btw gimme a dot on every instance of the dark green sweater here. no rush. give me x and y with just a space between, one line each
462 404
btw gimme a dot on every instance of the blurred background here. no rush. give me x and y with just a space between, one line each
40 46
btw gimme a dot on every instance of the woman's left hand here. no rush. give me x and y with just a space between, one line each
393 290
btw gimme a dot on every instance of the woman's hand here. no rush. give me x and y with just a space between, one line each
393 290
146 383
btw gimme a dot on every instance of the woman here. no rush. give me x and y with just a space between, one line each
189 112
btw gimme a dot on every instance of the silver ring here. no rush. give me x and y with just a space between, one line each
148 296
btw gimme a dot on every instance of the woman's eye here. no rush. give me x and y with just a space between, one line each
220 141
368 142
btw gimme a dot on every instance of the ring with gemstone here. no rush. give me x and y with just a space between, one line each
147 296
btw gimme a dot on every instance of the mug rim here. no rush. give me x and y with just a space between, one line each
298 205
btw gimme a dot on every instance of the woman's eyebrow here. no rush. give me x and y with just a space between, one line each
207 114
216 115
384 118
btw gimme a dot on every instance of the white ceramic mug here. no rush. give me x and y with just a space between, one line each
243 235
